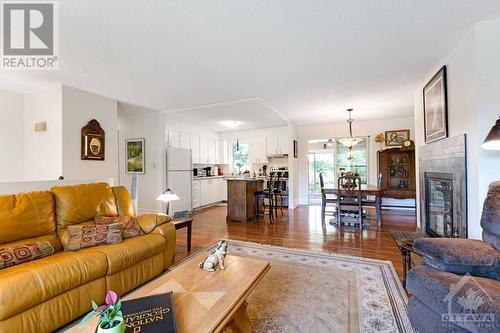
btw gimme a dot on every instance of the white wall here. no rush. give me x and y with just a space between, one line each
336 130
79 107
141 123
11 136
473 106
293 169
43 150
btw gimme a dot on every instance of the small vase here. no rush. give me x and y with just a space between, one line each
120 328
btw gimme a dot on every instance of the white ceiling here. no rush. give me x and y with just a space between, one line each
249 113
309 60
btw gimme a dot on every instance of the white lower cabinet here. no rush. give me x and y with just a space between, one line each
214 190
208 191
222 189
204 192
196 193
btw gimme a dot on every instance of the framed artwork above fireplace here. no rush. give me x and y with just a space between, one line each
436 108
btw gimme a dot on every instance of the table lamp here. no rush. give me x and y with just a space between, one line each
492 141
166 197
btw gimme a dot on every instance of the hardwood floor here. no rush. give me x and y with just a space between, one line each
300 228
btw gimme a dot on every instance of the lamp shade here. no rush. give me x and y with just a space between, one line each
492 141
350 142
168 196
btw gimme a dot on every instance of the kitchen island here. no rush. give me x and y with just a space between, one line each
240 198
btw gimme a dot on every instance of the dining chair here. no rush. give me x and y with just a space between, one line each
371 201
324 198
349 208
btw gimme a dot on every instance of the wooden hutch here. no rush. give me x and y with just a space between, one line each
397 166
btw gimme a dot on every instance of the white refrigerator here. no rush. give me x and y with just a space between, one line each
180 178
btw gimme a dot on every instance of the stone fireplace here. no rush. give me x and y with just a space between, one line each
443 188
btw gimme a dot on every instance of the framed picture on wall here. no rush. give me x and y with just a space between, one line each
92 141
436 108
135 156
396 138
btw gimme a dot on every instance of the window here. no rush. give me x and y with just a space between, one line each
241 162
355 161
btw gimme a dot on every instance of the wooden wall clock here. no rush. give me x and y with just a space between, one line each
93 141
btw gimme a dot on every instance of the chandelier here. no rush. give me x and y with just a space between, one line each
351 141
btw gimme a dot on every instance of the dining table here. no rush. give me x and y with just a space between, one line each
366 190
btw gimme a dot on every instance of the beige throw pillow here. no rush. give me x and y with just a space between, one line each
82 236
14 255
130 226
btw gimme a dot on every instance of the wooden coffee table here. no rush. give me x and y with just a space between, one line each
204 301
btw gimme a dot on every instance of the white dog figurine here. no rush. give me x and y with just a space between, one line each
216 257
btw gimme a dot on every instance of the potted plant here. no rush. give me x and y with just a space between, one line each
110 316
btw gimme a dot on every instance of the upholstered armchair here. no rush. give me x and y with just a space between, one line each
457 287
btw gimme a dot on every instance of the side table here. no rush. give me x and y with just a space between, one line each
179 224
404 240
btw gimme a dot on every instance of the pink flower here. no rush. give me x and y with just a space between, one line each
101 308
111 298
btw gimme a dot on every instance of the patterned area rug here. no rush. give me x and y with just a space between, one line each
318 292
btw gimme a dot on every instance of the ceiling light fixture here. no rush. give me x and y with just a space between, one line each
351 141
230 123
329 143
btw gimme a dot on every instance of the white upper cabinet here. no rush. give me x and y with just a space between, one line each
257 150
203 150
283 144
224 152
277 143
272 146
184 141
211 151
173 139
195 149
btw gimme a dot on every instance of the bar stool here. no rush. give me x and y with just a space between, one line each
278 193
261 196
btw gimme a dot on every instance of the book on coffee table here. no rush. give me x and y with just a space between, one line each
150 314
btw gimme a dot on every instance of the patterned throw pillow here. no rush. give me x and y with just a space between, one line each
82 236
130 226
13 255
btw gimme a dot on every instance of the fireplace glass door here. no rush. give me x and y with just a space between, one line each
439 204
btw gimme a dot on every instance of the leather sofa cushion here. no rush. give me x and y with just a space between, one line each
491 239
459 256
490 216
29 284
129 252
424 320
123 201
80 203
26 215
148 222
433 288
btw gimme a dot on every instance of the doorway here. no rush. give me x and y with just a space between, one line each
321 159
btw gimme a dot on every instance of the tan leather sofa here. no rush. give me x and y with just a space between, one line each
45 294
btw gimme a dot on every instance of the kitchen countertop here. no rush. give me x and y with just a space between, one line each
247 179
207 177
